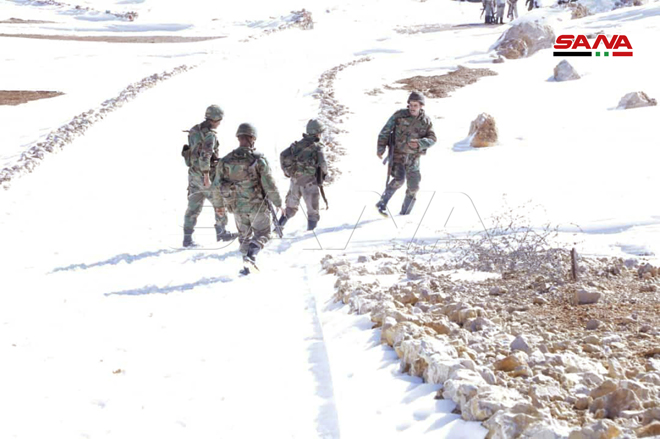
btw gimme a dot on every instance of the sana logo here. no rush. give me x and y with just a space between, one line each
579 42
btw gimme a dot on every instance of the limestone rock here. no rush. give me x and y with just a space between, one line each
509 363
593 324
636 100
612 404
520 344
524 39
506 424
483 131
606 387
586 297
564 71
652 429
603 429
487 401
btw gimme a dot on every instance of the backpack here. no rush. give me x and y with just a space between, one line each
188 152
288 161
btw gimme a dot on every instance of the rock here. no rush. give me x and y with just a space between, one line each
524 39
497 291
487 375
541 394
512 423
612 404
606 387
593 324
462 386
522 371
583 402
564 71
650 415
593 339
478 324
520 344
440 326
414 271
585 297
539 301
603 429
362 258
498 60
652 429
509 363
417 354
614 369
440 369
643 392
487 401
399 332
652 352
579 11
636 100
483 131
648 288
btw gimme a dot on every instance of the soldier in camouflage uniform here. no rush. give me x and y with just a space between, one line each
304 162
242 179
201 156
413 135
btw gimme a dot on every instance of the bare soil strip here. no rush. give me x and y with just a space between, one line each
17 97
440 86
21 21
153 39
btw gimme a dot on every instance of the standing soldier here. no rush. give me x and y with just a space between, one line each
513 9
200 155
304 162
409 133
499 18
244 186
488 10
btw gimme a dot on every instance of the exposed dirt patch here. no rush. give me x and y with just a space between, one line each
21 21
115 39
440 86
17 97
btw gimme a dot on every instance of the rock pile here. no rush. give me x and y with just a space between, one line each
516 352
331 112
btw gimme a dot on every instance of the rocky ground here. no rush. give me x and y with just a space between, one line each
16 97
441 85
529 353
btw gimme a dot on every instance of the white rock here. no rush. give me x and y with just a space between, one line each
564 71
636 100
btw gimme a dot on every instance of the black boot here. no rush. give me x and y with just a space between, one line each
282 221
252 252
311 224
187 238
221 234
407 205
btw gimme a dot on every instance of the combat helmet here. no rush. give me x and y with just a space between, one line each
417 96
315 127
246 129
214 113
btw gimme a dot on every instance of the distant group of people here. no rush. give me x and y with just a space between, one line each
241 182
494 9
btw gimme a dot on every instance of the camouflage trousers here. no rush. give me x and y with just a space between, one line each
403 172
197 193
253 227
307 188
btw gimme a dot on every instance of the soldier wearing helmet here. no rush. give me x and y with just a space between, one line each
201 156
242 185
304 163
408 134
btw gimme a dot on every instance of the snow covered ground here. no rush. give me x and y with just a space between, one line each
109 329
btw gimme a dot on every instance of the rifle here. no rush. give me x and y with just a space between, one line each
390 156
273 214
320 177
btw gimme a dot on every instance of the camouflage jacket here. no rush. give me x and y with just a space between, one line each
407 127
205 148
303 158
239 179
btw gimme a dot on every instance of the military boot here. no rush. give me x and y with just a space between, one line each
407 205
382 203
223 235
187 238
282 221
250 259
311 224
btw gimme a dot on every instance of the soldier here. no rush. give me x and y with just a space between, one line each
488 10
413 135
513 9
201 156
304 162
243 185
499 18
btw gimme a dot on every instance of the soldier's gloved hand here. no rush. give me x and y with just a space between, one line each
380 155
413 144
207 181
220 211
